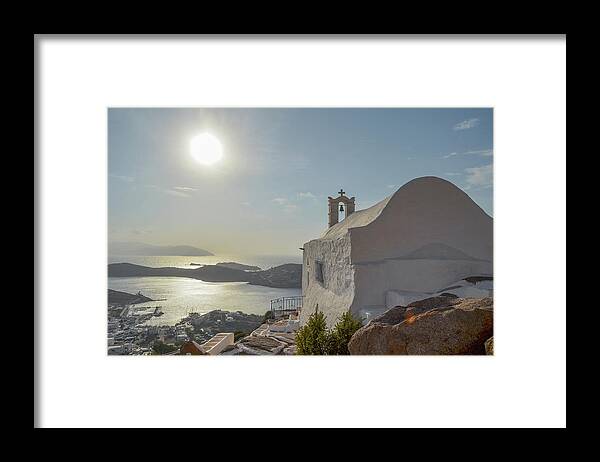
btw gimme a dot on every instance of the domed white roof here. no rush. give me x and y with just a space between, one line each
426 217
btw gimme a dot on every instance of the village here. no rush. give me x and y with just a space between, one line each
212 333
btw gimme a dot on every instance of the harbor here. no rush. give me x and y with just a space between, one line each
129 331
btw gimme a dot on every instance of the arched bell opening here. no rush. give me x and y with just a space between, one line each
340 207
342 211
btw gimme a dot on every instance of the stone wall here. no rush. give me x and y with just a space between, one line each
334 296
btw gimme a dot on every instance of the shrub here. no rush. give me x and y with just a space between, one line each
238 334
315 339
268 315
343 332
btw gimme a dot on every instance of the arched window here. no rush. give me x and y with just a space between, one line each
319 272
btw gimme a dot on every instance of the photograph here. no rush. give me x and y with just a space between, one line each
376 222
300 231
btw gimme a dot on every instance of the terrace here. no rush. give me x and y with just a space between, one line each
218 343
286 305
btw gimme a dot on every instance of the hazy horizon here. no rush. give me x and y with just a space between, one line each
267 195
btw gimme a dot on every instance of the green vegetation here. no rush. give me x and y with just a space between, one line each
343 332
268 315
161 348
315 339
238 334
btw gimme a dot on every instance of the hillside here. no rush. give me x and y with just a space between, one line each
283 276
116 297
287 275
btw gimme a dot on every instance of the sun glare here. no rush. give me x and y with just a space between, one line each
206 148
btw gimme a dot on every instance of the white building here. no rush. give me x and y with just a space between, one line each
218 343
426 236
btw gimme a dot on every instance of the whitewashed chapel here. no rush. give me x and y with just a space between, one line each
413 244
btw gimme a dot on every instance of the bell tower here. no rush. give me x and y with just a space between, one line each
337 204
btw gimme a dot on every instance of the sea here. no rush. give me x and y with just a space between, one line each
177 296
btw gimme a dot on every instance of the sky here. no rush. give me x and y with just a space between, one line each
268 193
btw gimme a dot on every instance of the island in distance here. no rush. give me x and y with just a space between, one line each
284 276
232 265
151 250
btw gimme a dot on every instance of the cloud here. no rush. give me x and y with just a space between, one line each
306 195
452 174
140 232
126 179
480 177
391 186
481 152
466 124
175 192
285 204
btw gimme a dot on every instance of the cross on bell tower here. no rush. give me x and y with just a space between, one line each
343 201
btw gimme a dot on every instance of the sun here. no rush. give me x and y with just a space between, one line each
206 148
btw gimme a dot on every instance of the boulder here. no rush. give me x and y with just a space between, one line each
261 345
395 298
489 346
442 325
399 313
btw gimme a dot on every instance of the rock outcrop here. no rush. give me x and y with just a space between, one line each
443 325
263 342
489 346
262 345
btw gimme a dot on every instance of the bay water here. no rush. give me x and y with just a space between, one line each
179 296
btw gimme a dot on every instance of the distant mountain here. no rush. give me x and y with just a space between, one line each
150 250
282 276
288 275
